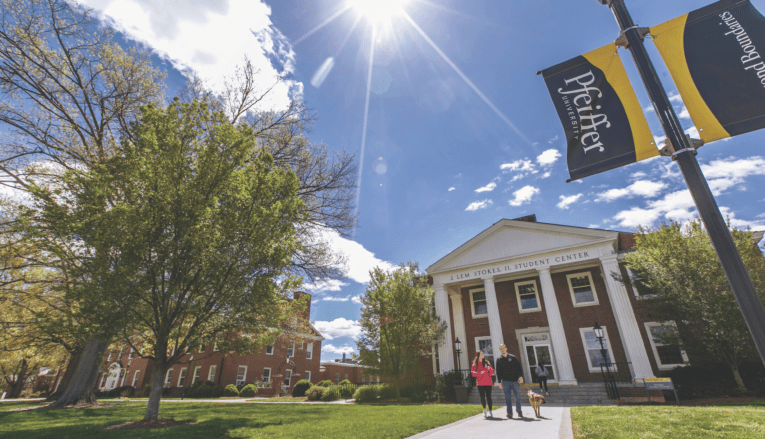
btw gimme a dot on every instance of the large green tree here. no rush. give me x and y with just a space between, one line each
398 322
186 231
676 263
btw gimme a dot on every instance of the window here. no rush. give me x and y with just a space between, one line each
309 351
215 346
291 350
132 354
483 344
639 289
211 374
479 308
664 344
582 291
378 379
337 378
270 349
109 358
188 349
168 377
241 374
307 375
267 375
197 374
135 378
287 376
182 377
437 362
123 374
528 298
592 349
363 380
346 376
103 379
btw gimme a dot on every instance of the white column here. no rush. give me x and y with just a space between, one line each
495 325
459 328
446 348
625 320
557 334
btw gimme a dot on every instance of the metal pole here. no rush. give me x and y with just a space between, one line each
722 241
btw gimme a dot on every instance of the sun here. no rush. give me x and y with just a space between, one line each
377 11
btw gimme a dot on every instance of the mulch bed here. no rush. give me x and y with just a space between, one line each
144 425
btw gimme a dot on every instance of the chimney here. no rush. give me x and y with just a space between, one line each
343 357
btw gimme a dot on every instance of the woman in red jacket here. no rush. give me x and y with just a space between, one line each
483 371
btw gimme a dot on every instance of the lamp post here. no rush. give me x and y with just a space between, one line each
457 346
599 334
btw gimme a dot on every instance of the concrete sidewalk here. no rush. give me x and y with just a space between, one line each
555 424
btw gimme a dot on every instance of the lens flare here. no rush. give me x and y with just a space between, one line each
378 11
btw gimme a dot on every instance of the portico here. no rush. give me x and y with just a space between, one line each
539 288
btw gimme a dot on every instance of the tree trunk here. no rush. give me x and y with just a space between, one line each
81 388
157 383
18 385
737 377
71 367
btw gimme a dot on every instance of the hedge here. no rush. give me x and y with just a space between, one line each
300 388
231 390
249 391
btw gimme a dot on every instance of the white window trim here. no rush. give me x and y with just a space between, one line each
472 303
244 377
215 346
272 349
135 377
291 347
212 371
196 375
571 289
182 376
307 375
582 331
109 358
103 380
269 374
132 354
309 351
168 377
536 293
659 364
288 378
634 277
477 339
124 378
337 378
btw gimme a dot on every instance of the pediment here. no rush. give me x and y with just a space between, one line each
508 239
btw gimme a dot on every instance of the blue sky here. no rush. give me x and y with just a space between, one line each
455 128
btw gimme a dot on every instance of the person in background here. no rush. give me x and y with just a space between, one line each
510 377
541 372
483 371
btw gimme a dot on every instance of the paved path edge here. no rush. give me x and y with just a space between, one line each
443 427
566 428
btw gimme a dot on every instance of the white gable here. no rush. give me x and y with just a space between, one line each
508 239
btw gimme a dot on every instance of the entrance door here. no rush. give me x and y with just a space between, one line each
538 352
114 374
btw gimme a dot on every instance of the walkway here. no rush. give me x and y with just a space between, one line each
555 424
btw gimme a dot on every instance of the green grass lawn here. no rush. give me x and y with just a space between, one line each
745 421
244 420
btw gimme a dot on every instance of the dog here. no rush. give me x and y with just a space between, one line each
535 400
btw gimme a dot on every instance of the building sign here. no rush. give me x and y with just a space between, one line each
602 119
716 56
659 384
526 264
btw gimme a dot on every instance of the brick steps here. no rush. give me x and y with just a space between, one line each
560 396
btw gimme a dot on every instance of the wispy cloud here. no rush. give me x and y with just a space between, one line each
518 165
340 327
565 201
488 188
479 205
356 299
330 349
452 188
548 157
523 195
643 188
336 299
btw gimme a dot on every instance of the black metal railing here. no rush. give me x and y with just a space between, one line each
465 379
615 375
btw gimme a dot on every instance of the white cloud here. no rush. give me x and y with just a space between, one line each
479 205
639 174
546 174
488 188
643 188
518 165
336 299
360 260
452 188
356 299
523 195
548 157
337 350
553 139
684 114
565 201
325 285
637 217
340 327
211 37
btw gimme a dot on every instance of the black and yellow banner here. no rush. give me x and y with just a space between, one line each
713 55
604 124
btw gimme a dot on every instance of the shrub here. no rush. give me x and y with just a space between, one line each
445 385
54 396
315 393
367 394
231 390
167 391
388 392
248 391
146 390
217 391
345 381
331 394
196 385
346 390
300 388
200 392
325 383
210 383
127 391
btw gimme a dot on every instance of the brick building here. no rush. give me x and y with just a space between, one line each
540 288
283 363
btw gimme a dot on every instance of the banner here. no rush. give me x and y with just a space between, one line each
713 56
604 124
